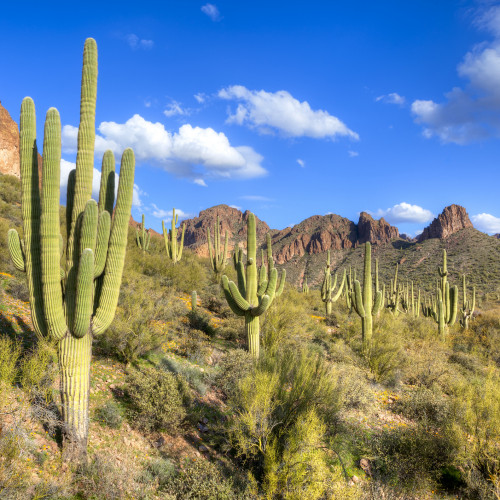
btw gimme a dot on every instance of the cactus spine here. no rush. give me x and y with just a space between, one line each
95 251
362 300
328 287
142 237
468 306
248 299
174 249
218 255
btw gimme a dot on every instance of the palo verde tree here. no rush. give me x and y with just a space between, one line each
249 299
74 303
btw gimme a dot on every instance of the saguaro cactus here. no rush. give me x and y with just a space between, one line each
74 304
265 271
393 297
248 299
362 300
305 286
468 306
328 287
142 237
174 249
218 255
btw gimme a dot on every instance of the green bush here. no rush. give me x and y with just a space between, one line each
354 389
200 480
9 354
192 375
200 320
160 471
110 414
234 366
156 399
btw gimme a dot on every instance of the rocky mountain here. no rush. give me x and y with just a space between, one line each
449 221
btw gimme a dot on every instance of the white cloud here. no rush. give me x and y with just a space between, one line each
235 206
200 182
147 104
192 152
137 43
255 197
487 223
211 11
174 108
418 232
301 162
167 215
67 166
471 112
404 212
200 97
269 111
353 154
392 98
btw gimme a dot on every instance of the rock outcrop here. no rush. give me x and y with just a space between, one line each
375 231
449 221
9 144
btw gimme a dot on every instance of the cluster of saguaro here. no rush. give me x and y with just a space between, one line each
174 249
142 237
218 254
408 303
248 298
468 306
73 304
305 286
443 308
328 287
362 299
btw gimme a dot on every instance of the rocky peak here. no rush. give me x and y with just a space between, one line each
449 221
375 231
9 144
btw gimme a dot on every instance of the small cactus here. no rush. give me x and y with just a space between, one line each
305 287
174 249
217 256
142 237
328 287
468 306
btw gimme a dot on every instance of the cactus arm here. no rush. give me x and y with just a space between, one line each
16 250
262 307
50 228
70 197
117 246
251 268
270 260
453 305
107 187
262 288
242 303
88 232
377 305
84 290
223 257
210 253
367 280
231 302
357 299
281 285
341 287
103 232
181 245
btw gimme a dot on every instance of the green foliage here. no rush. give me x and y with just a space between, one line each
185 372
110 414
200 320
156 399
234 366
160 471
9 354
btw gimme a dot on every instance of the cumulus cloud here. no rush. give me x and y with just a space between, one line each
200 97
404 212
211 11
392 98
67 166
235 206
200 182
301 162
487 223
135 42
192 152
471 112
280 111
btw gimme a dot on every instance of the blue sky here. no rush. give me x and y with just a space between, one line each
286 108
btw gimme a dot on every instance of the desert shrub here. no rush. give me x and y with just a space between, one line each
426 406
485 333
101 478
10 189
234 366
233 329
217 304
110 414
9 354
468 362
18 290
413 456
197 347
354 389
160 471
200 320
190 374
156 399
200 479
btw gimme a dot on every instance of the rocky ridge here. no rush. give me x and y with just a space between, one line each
449 221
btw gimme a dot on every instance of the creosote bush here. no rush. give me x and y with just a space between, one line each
156 399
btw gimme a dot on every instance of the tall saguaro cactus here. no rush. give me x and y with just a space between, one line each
74 304
328 287
265 270
174 249
468 306
362 300
142 237
393 297
249 299
218 255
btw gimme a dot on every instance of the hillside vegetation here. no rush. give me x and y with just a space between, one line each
180 410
